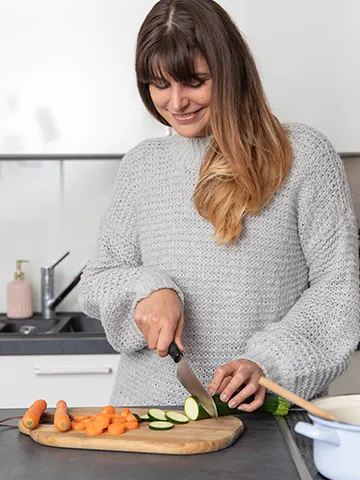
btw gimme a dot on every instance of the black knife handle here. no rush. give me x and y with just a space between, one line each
174 352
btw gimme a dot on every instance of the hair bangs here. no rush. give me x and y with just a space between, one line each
170 57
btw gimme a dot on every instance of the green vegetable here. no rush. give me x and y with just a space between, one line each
157 414
176 417
272 404
145 418
161 425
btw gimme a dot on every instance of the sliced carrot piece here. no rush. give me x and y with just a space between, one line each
93 432
125 411
131 418
102 422
87 420
109 409
131 425
116 429
81 418
119 419
77 426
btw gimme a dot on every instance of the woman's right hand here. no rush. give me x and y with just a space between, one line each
160 318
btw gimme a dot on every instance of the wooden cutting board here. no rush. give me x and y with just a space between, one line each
201 436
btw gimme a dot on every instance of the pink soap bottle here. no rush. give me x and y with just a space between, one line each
19 295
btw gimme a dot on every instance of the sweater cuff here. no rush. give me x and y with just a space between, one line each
150 282
266 360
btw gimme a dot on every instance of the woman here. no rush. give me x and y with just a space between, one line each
236 237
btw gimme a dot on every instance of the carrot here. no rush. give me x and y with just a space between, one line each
33 414
131 425
116 428
61 419
102 422
78 426
109 409
93 431
118 419
101 415
81 418
125 411
131 418
87 420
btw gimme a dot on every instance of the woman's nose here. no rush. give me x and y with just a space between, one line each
178 98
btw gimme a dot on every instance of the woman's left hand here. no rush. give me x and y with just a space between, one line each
230 377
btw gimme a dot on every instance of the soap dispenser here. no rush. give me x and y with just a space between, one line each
19 295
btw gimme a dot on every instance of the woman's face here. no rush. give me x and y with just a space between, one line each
186 107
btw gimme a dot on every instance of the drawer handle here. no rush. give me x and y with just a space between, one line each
70 369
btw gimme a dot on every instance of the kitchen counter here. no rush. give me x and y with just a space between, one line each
266 450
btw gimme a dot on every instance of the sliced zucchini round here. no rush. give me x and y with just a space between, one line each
192 408
157 425
176 417
157 414
144 418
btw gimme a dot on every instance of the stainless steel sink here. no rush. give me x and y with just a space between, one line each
63 324
82 323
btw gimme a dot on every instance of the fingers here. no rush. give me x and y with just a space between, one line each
153 333
179 332
219 376
250 389
166 336
256 403
224 384
160 318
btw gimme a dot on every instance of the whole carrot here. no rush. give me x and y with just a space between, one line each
33 414
61 419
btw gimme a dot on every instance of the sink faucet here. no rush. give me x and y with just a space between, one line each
48 301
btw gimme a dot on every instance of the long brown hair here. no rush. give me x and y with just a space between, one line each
250 154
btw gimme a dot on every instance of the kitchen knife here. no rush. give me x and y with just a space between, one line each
190 381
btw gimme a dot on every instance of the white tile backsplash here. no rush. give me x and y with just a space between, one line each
49 207
46 209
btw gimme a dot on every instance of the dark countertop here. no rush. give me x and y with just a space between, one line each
261 453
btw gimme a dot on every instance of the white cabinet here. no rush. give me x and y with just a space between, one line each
349 381
80 380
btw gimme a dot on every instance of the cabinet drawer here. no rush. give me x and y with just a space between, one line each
80 380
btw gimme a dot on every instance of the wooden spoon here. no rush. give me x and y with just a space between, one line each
291 397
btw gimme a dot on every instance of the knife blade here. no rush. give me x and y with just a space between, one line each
189 380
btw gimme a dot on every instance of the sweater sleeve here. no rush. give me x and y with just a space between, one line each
114 280
312 344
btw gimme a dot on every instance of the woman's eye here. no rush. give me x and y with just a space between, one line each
196 85
161 86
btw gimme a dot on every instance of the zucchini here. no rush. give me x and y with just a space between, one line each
137 417
157 414
144 418
272 404
176 417
157 425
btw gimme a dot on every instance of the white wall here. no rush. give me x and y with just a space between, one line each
68 84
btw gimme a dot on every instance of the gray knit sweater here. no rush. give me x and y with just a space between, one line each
286 296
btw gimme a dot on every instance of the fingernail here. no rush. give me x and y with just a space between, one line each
232 404
224 397
210 391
